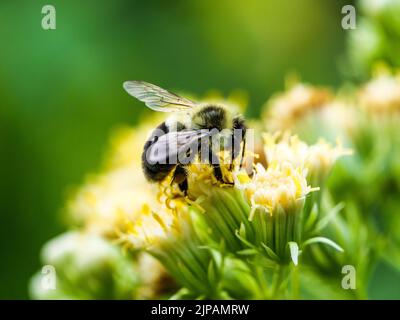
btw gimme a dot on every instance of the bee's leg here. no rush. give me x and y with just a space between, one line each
214 161
235 150
180 177
232 152
239 135
217 168
183 186
243 152
218 172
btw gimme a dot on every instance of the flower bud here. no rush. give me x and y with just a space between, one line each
86 266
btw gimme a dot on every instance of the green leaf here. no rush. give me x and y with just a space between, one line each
247 243
328 218
181 294
212 273
187 278
312 218
324 240
268 263
247 252
270 252
294 252
242 231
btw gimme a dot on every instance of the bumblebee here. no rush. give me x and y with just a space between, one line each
193 129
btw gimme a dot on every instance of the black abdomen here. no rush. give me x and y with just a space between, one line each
155 172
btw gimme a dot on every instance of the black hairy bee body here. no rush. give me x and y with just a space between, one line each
210 117
205 123
155 172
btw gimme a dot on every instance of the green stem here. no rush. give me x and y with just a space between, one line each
277 282
257 272
295 283
262 282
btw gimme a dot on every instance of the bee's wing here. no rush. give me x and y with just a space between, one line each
157 98
173 144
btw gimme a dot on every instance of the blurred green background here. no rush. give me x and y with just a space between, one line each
61 90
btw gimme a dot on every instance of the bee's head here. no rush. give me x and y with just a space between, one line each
210 117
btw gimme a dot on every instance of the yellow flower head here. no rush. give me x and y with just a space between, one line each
286 109
317 159
158 220
105 200
381 95
281 185
119 191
